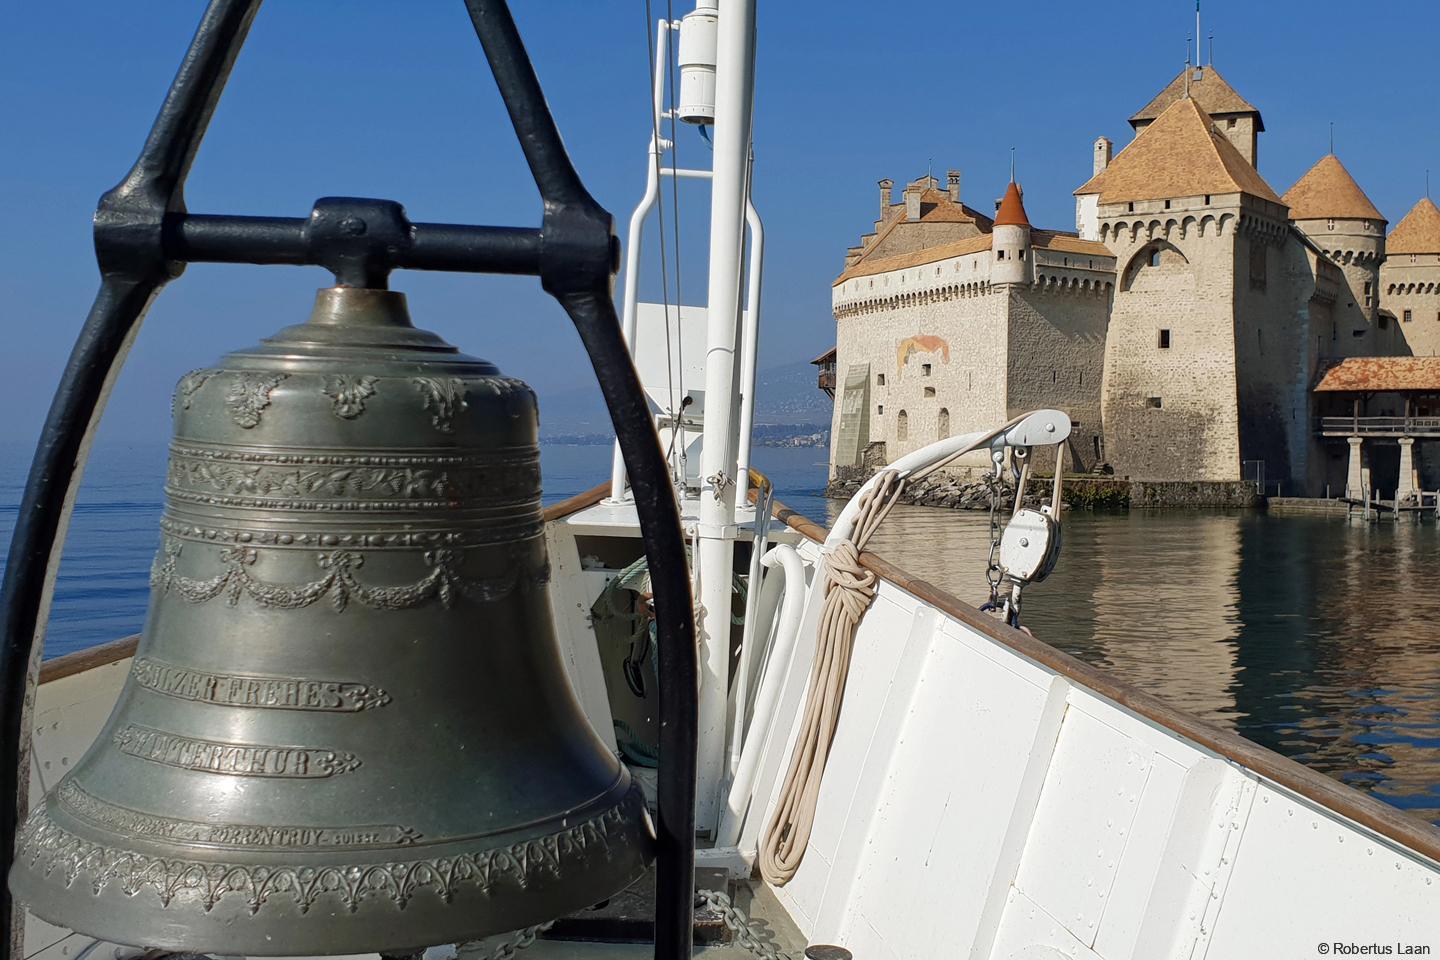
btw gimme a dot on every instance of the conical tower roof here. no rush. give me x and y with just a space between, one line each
1328 190
1418 231
1179 155
1012 209
1215 96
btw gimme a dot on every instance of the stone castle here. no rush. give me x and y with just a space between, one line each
1184 325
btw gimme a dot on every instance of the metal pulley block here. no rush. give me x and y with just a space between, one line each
1030 546
1027 549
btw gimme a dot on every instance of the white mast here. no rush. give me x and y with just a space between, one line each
733 99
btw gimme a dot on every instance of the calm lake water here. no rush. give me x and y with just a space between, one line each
1318 639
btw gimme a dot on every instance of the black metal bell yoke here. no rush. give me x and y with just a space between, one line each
347 727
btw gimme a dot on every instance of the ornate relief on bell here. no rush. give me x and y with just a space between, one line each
347 728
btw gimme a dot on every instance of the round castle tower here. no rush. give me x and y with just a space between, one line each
1331 210
1010 240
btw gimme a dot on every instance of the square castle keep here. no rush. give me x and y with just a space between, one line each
1183 326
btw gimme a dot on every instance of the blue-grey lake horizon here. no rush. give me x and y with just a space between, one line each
1313 637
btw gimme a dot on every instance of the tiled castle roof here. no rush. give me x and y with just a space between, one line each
1418 231
1039 240
868 267
1328 190
1208 88
1381 375
1012 209
1179 155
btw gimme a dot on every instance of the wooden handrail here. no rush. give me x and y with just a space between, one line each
576 503
88 659
1387 821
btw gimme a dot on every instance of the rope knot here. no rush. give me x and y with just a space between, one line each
847 583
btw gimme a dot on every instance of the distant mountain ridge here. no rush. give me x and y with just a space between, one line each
785 396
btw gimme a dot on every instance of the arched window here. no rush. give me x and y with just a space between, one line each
1155 257
943 429
902 425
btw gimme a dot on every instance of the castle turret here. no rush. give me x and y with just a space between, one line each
1329 208
1411 276
1010 239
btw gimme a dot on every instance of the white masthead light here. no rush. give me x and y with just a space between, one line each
697 63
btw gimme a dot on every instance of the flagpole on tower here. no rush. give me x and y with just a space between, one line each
1198 34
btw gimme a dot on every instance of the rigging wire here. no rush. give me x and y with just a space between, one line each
675 206
674 410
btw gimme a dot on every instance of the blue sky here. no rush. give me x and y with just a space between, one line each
393 99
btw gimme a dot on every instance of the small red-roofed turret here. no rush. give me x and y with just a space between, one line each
1011 239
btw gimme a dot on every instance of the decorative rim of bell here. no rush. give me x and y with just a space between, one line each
347 727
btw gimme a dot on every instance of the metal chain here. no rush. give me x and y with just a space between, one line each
747 932
992 566
520 940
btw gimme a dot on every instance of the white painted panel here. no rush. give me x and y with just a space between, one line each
1336 884
41 936
1140 862
863 940
877 653
1029 933
851 848
69 713
1083 823
802 896
1022 817
572 592
1199 852
956 772
1162 740
72 945
1002 656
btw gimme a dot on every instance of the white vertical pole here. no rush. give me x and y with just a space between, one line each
749 349
629 307
735 64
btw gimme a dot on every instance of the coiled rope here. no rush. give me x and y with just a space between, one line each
849 590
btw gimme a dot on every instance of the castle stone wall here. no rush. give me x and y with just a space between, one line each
1171 412
1412 282
1274 282
935 357
1056 358
1357 248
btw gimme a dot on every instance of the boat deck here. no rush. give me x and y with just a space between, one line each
770 922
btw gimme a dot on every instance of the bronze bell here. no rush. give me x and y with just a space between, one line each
347 727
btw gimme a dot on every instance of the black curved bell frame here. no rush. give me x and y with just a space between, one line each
347 728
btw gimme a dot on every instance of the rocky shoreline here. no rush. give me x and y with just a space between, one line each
944 490
967 493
